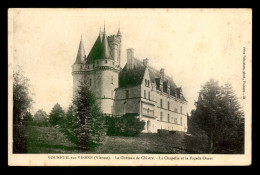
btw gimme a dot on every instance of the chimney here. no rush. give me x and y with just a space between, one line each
145 61
130 57
162 74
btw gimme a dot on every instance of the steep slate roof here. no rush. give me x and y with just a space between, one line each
130 78
100 49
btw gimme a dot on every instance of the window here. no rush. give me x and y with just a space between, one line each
181 121
90 82
106 61
144 93
169 118
126 94
149 95
181 109
175 120
148 83
145 82
168 105
161 116
161 103
112 80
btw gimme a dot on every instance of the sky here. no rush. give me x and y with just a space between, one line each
193 45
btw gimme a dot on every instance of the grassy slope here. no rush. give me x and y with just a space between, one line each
48 140
51 140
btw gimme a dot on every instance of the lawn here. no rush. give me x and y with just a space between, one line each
51 140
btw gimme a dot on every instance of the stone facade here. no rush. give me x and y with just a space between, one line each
135 88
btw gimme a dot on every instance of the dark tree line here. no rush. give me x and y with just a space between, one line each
219 114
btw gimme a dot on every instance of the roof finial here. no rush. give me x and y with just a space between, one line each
104 26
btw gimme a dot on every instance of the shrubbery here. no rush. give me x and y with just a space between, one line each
127 125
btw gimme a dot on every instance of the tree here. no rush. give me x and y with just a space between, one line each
69 128
57 115
219 114
21 105
40 118
231 118
126 125
21 98
91 129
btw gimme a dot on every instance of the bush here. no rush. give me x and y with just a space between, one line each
126 125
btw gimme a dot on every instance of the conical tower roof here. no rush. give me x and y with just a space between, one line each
81 56
119 33
105 48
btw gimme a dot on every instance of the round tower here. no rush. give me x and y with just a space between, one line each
102 70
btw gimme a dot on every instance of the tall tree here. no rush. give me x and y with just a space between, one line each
219 114
57 115
91 129
21 96
21 106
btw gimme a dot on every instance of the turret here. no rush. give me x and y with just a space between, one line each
81 56
77 68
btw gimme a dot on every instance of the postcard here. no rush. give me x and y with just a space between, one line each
129 87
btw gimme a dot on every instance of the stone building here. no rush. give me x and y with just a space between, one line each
135 88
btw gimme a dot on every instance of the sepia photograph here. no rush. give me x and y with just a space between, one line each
129 87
